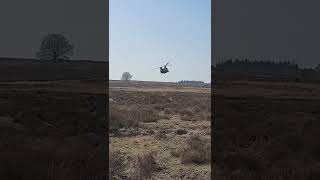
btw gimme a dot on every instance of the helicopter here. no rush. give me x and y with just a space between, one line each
163 69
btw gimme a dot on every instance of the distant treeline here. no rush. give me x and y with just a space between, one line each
15 69
194 83
264 69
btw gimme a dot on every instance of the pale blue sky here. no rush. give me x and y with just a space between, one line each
143 33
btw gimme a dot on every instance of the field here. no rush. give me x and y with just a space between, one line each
266 130
53 125
159 131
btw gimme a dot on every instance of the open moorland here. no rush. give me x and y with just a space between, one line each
266 130
52 125
159 131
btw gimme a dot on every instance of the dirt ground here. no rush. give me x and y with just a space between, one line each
161 120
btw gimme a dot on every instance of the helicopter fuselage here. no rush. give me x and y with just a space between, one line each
164 70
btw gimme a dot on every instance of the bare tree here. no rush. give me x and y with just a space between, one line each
54 47
126 76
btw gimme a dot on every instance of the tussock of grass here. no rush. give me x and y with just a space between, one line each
175 153
198 151
130 117
146 166
198 112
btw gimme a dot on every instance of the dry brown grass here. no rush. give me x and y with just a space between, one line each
52 135
198 151
161 135
130 117
196 113
119 118
266 131
176 152
117 164
30 164
159 128
146 165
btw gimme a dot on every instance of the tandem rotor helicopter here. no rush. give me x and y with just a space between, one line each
163 69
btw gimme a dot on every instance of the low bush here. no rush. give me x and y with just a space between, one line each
198 151
130 117
146 166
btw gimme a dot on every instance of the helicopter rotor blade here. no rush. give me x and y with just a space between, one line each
156 68
168 64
